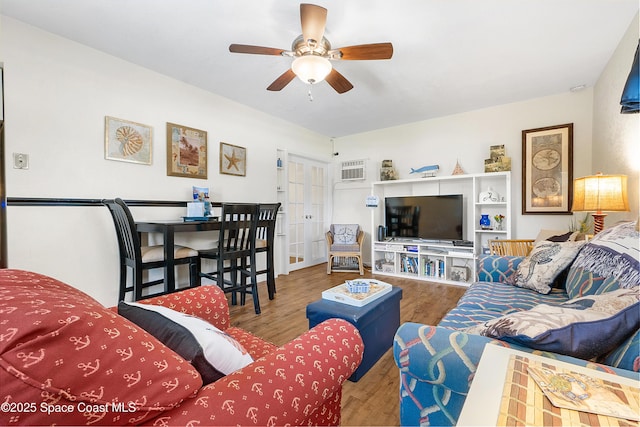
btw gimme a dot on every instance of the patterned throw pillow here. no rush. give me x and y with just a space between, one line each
556 236
345 234
585 327
565 237
545 262
212 352
610 260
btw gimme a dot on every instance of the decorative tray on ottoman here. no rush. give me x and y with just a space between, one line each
341 293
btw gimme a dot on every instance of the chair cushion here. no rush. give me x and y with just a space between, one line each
211 351
60 345
156 253
585 327
344 248
345 234
545 262
608 261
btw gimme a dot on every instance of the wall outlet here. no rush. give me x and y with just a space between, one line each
20 161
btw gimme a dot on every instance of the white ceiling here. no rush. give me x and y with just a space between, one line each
450 56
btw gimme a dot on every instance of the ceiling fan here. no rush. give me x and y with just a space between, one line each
312 52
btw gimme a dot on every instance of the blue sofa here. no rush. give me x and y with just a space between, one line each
437 363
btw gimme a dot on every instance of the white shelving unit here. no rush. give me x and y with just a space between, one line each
281 238
442 261
500 183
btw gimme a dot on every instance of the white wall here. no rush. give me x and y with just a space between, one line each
616 137
467 137
604 140
57 94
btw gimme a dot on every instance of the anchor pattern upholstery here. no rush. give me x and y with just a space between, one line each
66 359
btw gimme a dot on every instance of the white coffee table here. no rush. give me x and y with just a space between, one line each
482 405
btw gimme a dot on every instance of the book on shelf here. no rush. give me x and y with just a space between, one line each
409 264
434 267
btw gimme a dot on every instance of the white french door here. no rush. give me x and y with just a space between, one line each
308 192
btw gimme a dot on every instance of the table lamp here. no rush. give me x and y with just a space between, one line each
599 193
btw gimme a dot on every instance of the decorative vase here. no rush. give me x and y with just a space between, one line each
485 222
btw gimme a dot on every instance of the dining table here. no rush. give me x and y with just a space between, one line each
168 228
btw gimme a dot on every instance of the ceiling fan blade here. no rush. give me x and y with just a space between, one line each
282 81
258 50
367 51
338 82
313 20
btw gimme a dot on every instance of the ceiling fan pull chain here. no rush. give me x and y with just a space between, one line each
309 94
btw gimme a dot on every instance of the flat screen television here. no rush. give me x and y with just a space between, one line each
424 217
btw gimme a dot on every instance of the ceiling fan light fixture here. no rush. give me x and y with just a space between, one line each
311 69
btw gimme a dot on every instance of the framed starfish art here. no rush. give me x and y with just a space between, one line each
233 159
186 152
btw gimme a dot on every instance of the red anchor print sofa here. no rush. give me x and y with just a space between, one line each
65 359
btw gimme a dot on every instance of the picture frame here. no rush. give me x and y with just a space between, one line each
233 159
127 141
186 151
547 170
459 273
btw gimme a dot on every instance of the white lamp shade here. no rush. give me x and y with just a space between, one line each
598 193
311 68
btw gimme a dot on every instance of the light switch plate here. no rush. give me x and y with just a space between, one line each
20 161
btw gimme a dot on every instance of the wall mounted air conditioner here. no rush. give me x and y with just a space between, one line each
353 170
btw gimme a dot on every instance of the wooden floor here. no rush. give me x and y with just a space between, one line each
373 400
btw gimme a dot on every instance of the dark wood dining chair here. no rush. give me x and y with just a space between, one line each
235 253
265 237
138 258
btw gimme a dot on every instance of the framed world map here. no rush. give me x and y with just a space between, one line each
547 170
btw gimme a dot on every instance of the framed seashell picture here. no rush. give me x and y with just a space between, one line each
127 141
186 151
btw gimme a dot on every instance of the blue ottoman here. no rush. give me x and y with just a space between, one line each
376 321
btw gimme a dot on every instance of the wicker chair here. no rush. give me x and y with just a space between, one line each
344 243
511 247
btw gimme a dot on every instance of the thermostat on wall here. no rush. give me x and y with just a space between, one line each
372 201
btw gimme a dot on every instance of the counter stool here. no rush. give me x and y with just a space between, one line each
139 258
265 235
236 246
